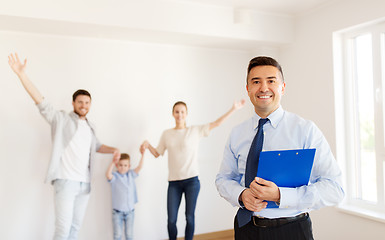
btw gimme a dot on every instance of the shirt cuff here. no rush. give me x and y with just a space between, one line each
288 197
237 201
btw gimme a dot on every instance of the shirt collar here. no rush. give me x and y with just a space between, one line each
74 115
122 175
274 118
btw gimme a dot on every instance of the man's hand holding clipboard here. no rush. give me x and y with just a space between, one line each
286 168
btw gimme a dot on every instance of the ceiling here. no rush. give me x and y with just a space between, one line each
290 7
230 24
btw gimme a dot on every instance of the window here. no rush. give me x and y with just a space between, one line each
359 61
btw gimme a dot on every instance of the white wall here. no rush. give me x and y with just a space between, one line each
133 86
308 67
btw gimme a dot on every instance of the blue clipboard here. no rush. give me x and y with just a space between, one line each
286 168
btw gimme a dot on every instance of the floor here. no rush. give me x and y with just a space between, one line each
222 235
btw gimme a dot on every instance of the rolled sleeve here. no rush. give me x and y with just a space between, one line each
47 111
98 144
112 179
133 174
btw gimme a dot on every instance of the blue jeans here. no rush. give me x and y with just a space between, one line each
71 199
190 187
118 219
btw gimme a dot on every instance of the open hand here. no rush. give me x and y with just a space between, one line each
16 65
239 104
116 156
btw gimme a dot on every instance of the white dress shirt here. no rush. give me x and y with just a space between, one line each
284 131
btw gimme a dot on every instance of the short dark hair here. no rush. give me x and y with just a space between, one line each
124 156
263 61
80 92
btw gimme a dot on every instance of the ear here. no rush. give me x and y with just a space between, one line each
247 87
283 88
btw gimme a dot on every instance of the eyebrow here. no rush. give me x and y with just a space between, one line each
257 78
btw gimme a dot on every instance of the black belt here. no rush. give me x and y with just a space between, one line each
275 222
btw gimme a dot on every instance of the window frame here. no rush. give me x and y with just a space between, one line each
343 60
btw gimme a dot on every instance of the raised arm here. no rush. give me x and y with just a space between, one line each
146 145
140 165
112 150
19 69
220 120
109 170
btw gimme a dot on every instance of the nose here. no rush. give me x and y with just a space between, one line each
263 87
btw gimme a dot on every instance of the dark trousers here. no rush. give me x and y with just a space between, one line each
297 230
190 187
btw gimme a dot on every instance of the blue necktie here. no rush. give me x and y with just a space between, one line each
244 215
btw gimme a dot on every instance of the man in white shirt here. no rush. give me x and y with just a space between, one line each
74 145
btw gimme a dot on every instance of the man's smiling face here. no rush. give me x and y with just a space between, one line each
265 88
82 105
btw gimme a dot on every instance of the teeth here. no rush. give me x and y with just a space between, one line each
264 97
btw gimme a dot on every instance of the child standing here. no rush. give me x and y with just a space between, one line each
123 190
